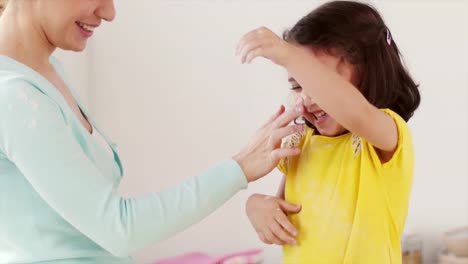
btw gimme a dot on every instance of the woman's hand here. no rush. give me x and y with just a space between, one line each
264 151
267 214
262 42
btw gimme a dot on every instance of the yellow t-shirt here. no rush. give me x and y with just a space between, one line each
353 207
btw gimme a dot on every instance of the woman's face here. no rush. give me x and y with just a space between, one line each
68 24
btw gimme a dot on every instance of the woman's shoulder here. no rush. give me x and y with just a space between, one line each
16 85
10 67
18 81
13 72
21 94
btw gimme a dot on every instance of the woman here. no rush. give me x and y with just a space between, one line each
59 175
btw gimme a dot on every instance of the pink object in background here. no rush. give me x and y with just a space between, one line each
252 256
194 258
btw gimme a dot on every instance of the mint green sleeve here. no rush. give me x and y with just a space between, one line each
35 136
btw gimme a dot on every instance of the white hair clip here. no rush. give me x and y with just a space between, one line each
389 37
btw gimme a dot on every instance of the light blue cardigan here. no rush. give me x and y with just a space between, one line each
58 187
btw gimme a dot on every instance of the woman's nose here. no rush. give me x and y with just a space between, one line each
106 10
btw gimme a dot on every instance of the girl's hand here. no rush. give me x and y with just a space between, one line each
267 214
262 42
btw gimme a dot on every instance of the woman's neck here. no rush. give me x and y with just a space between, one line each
22 39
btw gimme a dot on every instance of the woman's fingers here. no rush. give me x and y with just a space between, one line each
287 117
263 152
282 153
283 132
275 116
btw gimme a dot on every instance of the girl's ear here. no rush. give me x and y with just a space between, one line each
347 70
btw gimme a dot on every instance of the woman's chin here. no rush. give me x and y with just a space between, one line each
76 46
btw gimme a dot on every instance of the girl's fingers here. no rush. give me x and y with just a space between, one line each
282 220
280 233
248 36
253 54
249 46
272 238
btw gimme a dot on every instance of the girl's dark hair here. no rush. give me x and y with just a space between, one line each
358 33
2 5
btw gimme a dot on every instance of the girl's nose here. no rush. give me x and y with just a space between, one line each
307 100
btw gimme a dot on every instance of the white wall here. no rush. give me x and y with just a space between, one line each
166 87
435 42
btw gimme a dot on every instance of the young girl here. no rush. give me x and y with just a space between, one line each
354 175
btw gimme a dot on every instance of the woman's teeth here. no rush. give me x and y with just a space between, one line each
85 27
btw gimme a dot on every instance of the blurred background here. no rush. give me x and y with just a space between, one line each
163 83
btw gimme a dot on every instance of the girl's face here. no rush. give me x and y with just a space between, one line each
68 24
325 124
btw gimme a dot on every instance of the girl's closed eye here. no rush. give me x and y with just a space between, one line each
294 85
296 88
